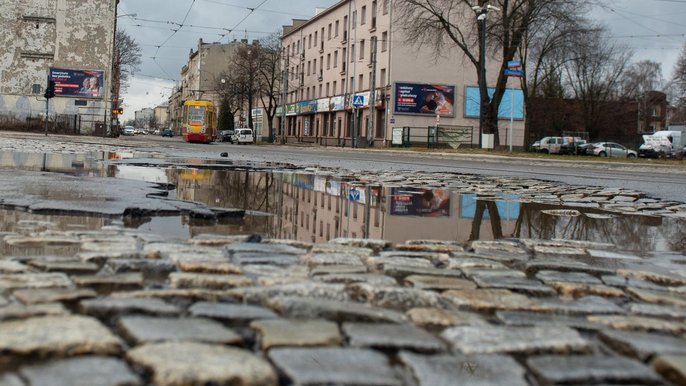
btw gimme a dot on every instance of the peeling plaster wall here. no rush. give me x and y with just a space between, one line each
38 34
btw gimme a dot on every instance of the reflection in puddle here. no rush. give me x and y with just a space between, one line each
316 207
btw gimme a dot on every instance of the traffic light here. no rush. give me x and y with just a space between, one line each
118 111
50 91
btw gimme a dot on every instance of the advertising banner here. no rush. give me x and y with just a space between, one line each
337 103
412 201
472 103
323 105
424 99
291 109
78 83
307 107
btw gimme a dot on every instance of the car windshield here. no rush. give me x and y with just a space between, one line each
196 115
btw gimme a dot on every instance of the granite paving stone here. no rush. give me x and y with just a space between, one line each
81 371
74 267
658 297
438 283
523 340
296 333
337 270
124 281
34 280
642 346
9 266
656 310
35 296
248 258
57 336
462 261
188 363
473 370
264 248
209 267
339 248
672 367
639 323
516 284
487 300
438 319
580 290
656 276
550 277
402 271
565 265
523 318
145 329
393 297
317 259
377 264
591 369
8 379
625 282
391 336
335 366
260 295
583 306
208 280
20 311
238 314
109 306
305 308
347 278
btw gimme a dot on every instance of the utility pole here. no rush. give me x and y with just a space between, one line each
483 90
372 97
284 95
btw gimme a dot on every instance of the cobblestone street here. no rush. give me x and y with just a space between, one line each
118 306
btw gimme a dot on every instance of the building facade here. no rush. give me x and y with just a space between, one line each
143 117
161 117
352 56
76 41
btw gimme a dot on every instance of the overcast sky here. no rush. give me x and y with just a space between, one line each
654 29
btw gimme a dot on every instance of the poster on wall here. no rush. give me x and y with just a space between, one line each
472 103
412 201
424 99
78 83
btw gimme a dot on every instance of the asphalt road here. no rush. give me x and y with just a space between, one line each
657 180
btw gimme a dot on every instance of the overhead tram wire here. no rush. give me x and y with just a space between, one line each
252 10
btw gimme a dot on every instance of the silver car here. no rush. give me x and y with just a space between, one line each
610 149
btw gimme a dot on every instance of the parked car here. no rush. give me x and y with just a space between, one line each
548 145
167 133
573 146
610 149
129 130
242 136
225 136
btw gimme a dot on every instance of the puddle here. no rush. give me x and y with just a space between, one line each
316 206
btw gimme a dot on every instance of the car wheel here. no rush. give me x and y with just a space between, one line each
602 154
544 151
631 156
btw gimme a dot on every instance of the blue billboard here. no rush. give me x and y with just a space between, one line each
425 99
78 83
472 103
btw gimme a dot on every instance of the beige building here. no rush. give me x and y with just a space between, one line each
76 40
161 116
337 58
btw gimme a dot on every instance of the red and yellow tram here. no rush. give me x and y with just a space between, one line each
199 121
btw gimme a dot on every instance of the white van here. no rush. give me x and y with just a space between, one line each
242 136
665 143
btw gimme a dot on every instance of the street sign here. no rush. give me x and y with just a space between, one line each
358 100
354 195
514 69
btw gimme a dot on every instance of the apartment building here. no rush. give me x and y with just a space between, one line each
72 42
352 56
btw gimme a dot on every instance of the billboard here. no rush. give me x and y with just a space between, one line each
78 83
411 201
425 99
472 103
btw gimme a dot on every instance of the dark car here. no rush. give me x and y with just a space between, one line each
225 136
167 133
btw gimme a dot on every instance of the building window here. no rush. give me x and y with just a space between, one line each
352 52
354 21
361 49
314 66
373 14
335 59
309 42
363 15
385 6
334 86
328 61
384 41
382 77
328 90
320 91
370 80
309 64
315 38
359 85
336 29
342 85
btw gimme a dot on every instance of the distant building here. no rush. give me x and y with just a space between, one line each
76 39
143 117
355 53
161 117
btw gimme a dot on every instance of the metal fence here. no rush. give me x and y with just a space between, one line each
433 136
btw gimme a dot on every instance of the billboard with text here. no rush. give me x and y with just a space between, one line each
424 99
78 83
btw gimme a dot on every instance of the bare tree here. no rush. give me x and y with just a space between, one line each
442 23
128 57
270 78
594 76
639 82
245 68
676 88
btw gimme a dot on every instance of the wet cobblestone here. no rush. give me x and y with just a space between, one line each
364 312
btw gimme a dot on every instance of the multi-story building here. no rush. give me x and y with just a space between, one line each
73 43
143 117
335 59
161 117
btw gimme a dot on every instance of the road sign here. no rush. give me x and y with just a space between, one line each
514 69
354 195
358 100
